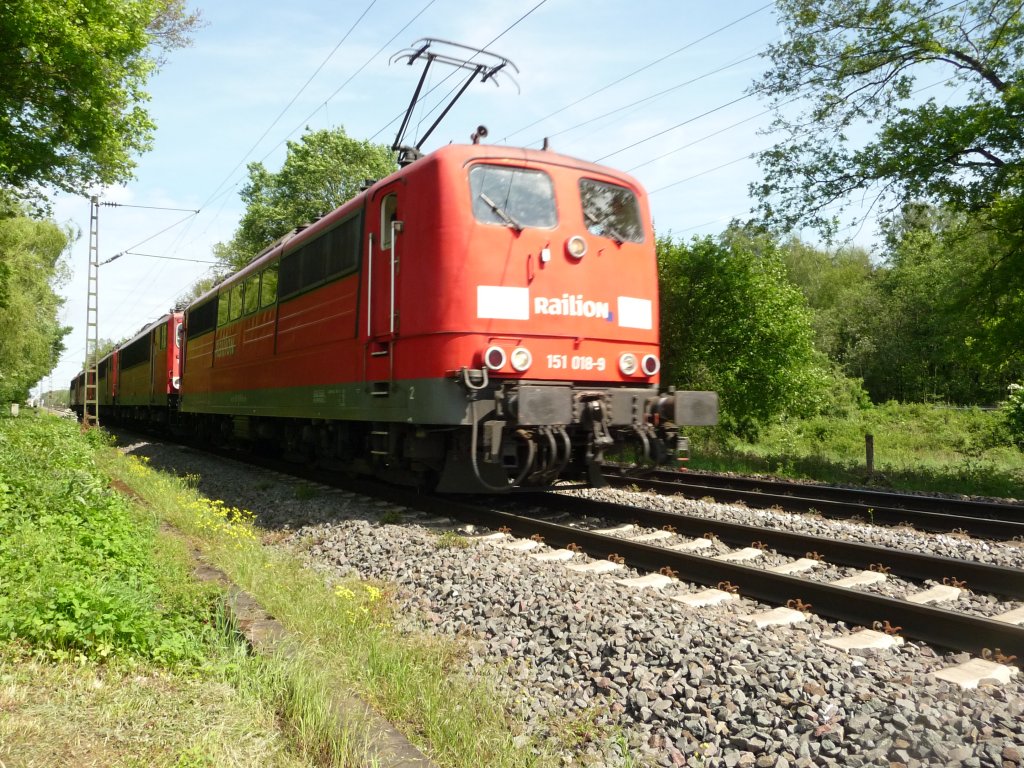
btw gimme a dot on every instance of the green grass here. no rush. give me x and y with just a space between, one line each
82 576
110 654
916 447
348 641
137 714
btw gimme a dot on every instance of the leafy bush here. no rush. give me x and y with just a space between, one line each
1013 414
732 322
79 576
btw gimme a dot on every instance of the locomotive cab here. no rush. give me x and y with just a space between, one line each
531 283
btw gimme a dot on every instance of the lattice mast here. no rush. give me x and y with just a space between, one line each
91 411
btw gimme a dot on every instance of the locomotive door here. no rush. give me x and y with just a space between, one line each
384 244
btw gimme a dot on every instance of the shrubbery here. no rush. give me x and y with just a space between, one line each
79 576
1013 414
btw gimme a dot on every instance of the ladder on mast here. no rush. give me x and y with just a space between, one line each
91 410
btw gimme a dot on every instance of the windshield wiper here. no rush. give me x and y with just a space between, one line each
606 228
501 213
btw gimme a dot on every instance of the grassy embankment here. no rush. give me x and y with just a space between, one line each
110 654
916 447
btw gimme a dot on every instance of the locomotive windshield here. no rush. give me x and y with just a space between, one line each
512 197
611 211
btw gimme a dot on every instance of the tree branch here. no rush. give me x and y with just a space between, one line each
994 160
963 59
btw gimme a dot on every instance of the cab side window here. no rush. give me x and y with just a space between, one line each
388 214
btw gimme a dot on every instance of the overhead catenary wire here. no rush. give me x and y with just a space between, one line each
753 92
350 79
748 155
653 96
647 66
157 234
169 258
674 127
219 193
288 106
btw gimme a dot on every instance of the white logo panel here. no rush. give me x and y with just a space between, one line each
635 313
498 302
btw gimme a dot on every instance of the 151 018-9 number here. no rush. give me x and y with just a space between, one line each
576 363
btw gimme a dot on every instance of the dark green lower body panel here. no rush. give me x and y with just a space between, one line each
422 401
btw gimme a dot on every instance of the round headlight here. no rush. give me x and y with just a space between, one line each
176 382
627 363
650 364
576 247
521 359
494 358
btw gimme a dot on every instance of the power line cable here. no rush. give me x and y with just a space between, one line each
169 258
753 92
832 206
351 78
674 127
290 103
165 229
709 136
698 141
641 69
748 156
668 90
217 194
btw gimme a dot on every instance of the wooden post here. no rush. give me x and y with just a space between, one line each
869 451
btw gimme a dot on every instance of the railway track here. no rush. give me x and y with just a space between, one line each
980 577
934 625
941 627
928 513
709 678
937 626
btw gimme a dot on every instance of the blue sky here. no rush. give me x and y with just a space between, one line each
250 82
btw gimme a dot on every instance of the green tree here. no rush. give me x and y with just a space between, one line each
862 68
320 172
732 322
935 338
31 269
839 286
74 73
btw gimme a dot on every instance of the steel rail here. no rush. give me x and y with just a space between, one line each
895 499
979 577
985 527
937 626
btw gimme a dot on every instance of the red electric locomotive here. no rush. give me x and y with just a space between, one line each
140 380
482 319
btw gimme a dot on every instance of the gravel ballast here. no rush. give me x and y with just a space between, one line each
686 686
